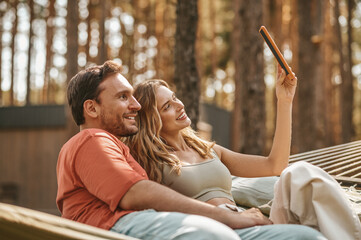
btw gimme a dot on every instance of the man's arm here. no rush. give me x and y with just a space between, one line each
147 194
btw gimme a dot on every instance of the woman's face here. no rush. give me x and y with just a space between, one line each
171 111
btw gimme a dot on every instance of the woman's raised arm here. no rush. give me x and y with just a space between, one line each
245 165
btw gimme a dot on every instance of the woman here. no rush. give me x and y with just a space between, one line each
172 154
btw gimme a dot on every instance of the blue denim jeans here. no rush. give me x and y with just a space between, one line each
154 225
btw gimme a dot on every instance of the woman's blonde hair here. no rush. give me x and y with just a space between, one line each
147 146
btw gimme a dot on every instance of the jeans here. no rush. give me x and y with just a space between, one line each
153 225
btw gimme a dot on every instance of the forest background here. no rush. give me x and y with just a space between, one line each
209 49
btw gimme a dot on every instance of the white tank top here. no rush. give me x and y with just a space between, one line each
202 181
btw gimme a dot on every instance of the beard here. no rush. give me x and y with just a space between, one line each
117 126
129 133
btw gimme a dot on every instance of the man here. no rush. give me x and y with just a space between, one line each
100 184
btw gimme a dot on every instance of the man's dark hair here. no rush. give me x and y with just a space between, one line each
85 85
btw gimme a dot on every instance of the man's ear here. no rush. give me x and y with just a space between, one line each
90 108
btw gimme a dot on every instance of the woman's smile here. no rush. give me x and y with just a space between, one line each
183 116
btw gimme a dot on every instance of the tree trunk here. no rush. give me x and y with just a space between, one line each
331 109
28 76
186 76
1 47
126 51
346 99
248 127
47 96
103 53
294 39
88 21
13 33
310 128
214 58
72 39
348 130
141 15
72 54
236 125
159 34
273 17
320 99
169 26
163 23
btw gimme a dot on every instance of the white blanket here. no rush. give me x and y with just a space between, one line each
307 195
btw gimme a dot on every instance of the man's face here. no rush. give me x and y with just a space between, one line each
118 107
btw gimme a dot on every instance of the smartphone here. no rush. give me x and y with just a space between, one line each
276 52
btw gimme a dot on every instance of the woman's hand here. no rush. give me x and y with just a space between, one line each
285 87
249 218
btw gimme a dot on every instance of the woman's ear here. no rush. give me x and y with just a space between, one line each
90 109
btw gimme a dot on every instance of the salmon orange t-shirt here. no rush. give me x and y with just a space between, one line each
94 171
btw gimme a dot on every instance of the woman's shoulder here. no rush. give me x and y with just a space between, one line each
217 149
